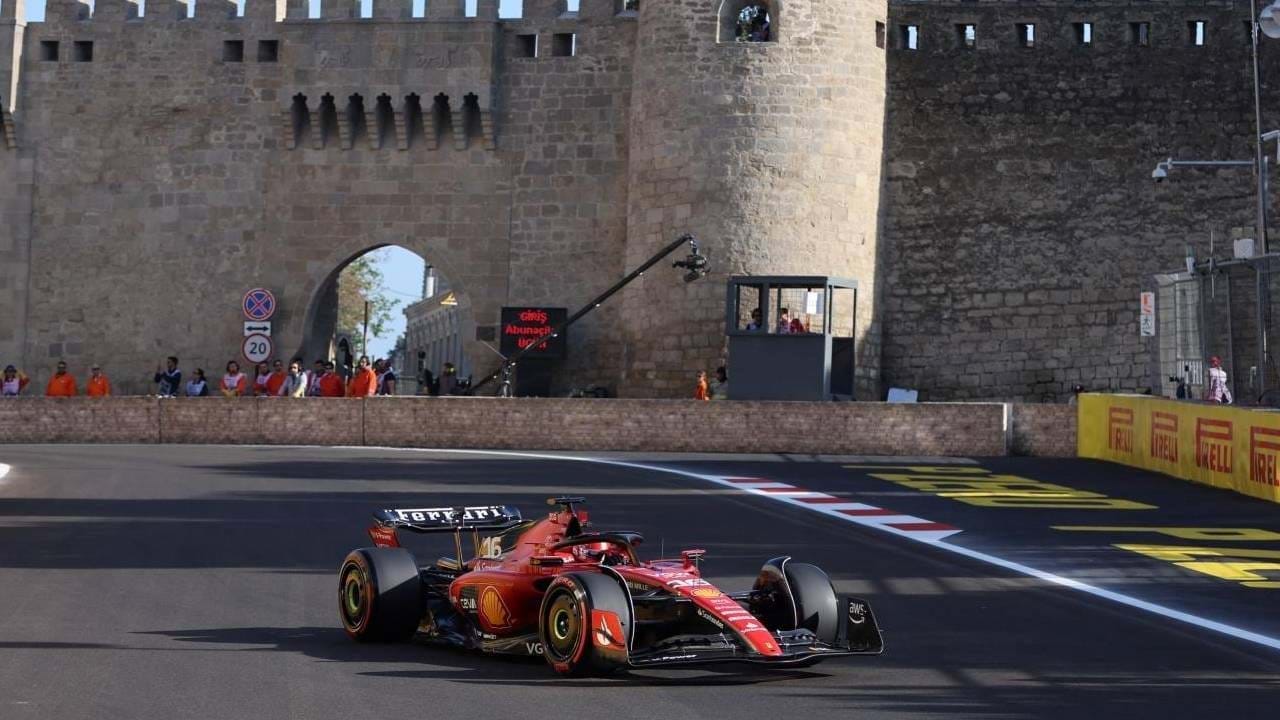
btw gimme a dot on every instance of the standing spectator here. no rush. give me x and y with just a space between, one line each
756 323
365 382
1217 391
275 380
448 379
331 382
197 386
701 390
234 383
13 382
797 326
260 377
61 384
387 379
295 383
784 322
168 380
98 384
313 382
720 386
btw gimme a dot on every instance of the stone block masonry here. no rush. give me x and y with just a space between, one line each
968 430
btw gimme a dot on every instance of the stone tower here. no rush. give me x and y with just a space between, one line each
769 151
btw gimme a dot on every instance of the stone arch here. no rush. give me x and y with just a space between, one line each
320 289
737 20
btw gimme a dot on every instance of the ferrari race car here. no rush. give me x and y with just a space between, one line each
583 600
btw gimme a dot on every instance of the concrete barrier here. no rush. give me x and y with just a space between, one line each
956 429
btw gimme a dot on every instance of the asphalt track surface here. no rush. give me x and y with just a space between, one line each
199 582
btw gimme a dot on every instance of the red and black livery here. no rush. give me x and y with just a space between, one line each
584 600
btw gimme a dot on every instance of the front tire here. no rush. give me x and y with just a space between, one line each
380 595
791 595
571 643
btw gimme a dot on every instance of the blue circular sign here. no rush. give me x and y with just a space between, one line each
259 304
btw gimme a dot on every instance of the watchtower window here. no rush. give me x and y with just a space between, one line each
630 6
527 46
564 45
754 23
233 51
49 50
1084 33
1196 33
1140 33
909 37
1026 34
82 51
268 51
880 33
967 34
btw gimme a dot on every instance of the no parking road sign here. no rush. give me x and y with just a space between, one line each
259 304
257 348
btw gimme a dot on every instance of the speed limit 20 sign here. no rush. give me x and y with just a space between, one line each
257 348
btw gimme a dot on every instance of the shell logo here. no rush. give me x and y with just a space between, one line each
706 592
493 610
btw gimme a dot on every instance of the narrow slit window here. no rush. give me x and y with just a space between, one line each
268 51
909 37
1026 35
49 50
232 51
564 45
967 34
527 46
1196 33
880 35
1084 33
83 51
1140 33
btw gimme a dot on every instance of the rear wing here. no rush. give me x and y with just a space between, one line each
445 519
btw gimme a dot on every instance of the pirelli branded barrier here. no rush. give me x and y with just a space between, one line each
1217 445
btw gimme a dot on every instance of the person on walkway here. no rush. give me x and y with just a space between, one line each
313 381
1216 390
234 383
331 384
756 324
98 385
784 322
198 386
275 380
448 379
701 391
365 382
295 383
720 386
386 379
62 384
169 380
13 382
260 376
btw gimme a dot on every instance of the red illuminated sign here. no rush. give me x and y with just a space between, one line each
524 327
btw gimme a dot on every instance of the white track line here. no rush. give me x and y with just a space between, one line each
927 538
4 470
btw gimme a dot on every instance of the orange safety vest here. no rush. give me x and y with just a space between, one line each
61 386
275 381
331 385
98 386
700 393
363 384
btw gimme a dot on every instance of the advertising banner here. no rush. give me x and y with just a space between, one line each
1218 445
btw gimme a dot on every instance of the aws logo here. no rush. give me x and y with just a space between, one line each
1164 436
1120 429
1264 449
1213 445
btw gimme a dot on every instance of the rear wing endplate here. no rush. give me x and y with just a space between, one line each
445 519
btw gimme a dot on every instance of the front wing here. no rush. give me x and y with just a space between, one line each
858 634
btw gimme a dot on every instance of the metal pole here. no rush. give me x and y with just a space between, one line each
364 338
1261 171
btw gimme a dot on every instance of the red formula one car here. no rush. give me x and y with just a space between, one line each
584 600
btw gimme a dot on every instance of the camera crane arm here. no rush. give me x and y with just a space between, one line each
695 263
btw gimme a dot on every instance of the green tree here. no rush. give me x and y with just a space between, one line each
362 282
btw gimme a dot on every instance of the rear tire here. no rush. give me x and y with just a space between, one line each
380 595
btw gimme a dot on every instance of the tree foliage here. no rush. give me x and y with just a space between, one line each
362 282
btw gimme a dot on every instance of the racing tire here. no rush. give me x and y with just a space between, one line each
571 644
380 595
817 608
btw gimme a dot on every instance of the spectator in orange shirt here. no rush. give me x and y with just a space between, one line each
98 385
275 380
365 382
331 382
701 390
234 383
61 384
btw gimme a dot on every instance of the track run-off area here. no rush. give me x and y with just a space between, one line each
200 582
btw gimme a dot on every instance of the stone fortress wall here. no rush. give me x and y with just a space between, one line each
994 202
